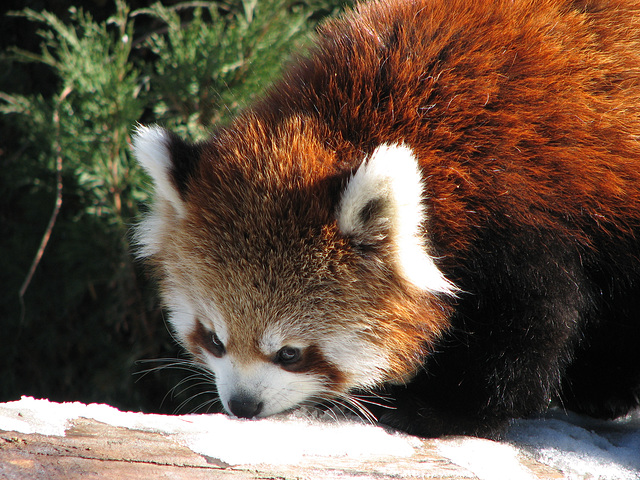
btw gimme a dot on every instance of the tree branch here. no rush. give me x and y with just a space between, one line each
57 205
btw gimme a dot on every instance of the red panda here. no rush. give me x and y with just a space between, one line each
439 203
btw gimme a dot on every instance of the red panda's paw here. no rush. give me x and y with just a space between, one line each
416 417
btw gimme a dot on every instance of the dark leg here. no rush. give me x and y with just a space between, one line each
512 339
604 379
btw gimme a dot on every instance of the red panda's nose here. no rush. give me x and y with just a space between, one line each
245 407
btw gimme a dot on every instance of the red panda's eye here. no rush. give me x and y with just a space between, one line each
215 345
288 356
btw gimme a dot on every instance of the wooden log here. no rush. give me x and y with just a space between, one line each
94 450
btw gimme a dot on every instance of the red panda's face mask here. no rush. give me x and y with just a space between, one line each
294 277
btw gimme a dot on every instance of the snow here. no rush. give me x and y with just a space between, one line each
486 459
288 441
232 441
580 447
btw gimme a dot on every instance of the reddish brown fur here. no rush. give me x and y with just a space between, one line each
313 361
200 340
555 81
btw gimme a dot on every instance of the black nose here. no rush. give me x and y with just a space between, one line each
244 407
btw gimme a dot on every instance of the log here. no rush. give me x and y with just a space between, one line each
94 450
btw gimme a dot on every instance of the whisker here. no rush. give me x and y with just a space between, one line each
198 376
380 399
184 403
207 403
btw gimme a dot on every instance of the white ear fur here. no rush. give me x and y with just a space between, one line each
392 176
151 149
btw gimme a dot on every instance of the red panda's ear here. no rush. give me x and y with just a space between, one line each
383 205
168 160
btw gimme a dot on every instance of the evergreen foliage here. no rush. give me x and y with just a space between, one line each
88 315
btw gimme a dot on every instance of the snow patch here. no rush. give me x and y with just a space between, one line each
486 459
288 441
582 447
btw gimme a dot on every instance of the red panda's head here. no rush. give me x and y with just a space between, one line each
294 275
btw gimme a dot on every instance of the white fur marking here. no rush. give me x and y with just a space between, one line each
274 337
147 238
271 340
151 150
181 314
276 388
365 364
216 322
393 176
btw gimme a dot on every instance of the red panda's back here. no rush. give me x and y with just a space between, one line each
510 105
